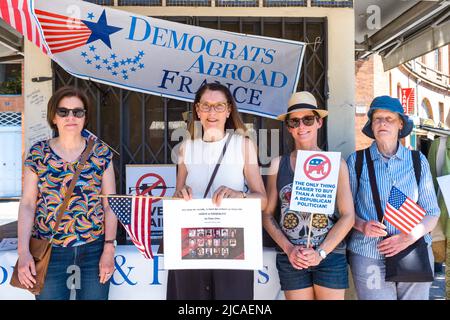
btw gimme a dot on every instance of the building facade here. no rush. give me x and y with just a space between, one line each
139 126
422 84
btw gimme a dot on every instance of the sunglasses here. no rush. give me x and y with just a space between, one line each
295 122
77 113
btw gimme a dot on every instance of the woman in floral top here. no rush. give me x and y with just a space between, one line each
79 243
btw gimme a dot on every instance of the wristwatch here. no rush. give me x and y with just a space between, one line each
322 253
113 242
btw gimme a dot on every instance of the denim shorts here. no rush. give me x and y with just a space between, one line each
329 273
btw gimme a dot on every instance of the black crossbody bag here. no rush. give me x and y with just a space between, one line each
413 263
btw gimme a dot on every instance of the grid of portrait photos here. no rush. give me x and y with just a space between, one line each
212 243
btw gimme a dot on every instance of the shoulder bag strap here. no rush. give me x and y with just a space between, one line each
358 166
373 185
69 192
217 166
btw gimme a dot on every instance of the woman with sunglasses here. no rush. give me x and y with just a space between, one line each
214 116
320 271
79 247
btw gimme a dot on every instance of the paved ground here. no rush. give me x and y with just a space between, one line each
437 291
8 229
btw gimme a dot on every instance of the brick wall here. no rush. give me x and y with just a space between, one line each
364 94
11 103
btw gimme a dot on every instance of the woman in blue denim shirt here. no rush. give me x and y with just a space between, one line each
393 166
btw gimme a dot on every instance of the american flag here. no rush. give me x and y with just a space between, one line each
63 33
60 33
17 13
135 214
402 212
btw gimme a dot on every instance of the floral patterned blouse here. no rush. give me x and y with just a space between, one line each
83 220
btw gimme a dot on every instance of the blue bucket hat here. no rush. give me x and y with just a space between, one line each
389 104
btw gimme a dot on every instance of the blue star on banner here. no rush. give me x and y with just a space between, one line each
122 67
90 15
101 30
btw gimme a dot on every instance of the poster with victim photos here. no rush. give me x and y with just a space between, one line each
200 235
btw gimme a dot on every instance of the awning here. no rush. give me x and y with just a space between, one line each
413 33
438 131
11 44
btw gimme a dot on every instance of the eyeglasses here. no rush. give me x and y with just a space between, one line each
218 107
295 122
77 113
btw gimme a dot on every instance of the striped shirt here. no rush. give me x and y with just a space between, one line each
397 171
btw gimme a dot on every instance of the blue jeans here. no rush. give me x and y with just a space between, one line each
78 268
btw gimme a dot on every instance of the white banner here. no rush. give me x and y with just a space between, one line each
137 278
204 236
163 58
315 181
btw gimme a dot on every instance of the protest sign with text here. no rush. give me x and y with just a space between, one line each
200 235
315 181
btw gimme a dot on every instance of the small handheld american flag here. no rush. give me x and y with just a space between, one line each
402 212
135 214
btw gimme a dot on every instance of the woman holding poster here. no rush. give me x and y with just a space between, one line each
316 271
214 115
380 233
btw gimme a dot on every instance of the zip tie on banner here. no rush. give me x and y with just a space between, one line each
318 41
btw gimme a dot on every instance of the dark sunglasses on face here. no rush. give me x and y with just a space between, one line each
77 113
295 122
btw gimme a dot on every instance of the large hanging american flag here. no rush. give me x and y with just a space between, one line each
402 212
135 214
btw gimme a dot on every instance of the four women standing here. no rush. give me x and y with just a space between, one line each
316 271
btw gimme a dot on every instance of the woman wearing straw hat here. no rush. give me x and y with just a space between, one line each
374 238
319 271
